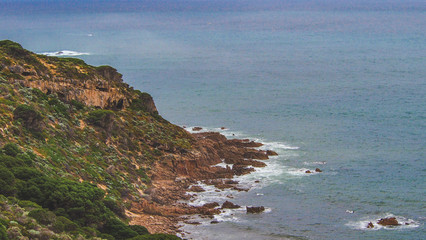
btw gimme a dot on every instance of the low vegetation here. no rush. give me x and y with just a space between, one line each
69 170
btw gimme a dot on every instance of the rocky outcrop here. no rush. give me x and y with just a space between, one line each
255 209
390 221
230 205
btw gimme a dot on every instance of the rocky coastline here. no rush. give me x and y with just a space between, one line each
162 208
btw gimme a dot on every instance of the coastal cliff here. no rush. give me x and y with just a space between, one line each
80 128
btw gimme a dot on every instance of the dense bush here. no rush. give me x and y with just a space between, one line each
3 233
10 161
101 118
39 94
7 181
31 118
141 230
11 149
59 107
118 229
43 216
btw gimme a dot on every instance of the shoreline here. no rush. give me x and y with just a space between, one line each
214 161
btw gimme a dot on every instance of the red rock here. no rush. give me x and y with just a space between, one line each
211 205
257 181
230 205
308 171
196 188
231 182
255 209
197 128
370 225
271 153
214 222
391 221
317 170
223 128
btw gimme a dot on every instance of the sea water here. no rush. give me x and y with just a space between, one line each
335 85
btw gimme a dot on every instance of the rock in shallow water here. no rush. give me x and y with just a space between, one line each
390 221
255 209
228 204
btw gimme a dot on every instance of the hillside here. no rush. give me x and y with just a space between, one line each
82 153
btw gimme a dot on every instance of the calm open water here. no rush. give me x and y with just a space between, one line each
330 84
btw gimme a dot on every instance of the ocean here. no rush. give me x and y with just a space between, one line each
335 85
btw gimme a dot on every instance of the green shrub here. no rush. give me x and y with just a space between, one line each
141 230
43 216
11 149
3 233
118 229
39 94
10 162
26 173
100 117
7 182
31 118
63 224
114 207
59 107
78 105
28 204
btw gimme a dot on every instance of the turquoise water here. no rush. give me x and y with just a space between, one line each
338 85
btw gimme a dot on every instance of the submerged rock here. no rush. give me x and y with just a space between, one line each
370 225
391 221
255 209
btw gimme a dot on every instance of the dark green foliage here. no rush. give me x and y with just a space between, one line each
106 236
78 105
39 94
158 236
63 224
59 107
31 119
141 230
7 181
26 173
118 229
82 202
101 118
43 216
114 207
3 233
28 204
11 149
9 161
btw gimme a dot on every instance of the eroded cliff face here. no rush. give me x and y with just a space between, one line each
71 79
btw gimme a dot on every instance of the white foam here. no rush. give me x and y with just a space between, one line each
64 53
363 223
300 171
314 163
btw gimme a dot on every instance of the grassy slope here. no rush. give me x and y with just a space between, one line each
113 150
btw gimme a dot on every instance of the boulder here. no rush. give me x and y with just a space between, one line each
390 221
196 188
255 209
211 205
228 204
370 225
271 153
317 170
197 128
308 171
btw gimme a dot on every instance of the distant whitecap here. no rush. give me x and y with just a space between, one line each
64 53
